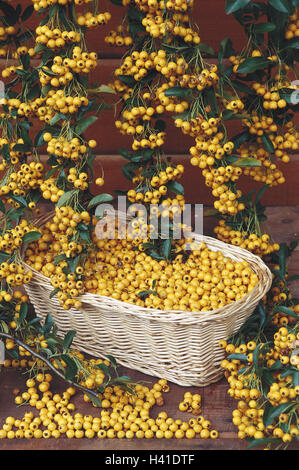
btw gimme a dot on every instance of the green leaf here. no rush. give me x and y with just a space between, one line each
66 197
23 312
247 162
282 256
84 123
177 91
9 12
280 5
53 293
226 49
293 43
19 199
71 369
99 199
104 368
127 80
105 89
31 236
57 118
255 357
267 143
286 310
25 59
112 360
206 49
252 64
231 6
27 13
238 357
95 400
117 2
273 411
166 248
228 114
264 28
68 339
21 148
2 207
176 187
262 441
144 293
59 258
260 193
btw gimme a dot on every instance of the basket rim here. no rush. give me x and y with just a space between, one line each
249 301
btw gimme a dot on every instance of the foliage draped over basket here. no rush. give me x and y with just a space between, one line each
168 77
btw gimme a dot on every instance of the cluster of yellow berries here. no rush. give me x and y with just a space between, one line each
50 191
207 281
11 71
26 178
267 172
14 274
123 414
227 201
260 246
55 38
292 30
119 37
63 75
64 69
245 387
286 142
40 4
28 108
6 31
91 20
280 295
22 50
238 60
259 125
271 98
57 102
82 62
285 344
158 27
79 180
208 77
57 232
235 105
136 65
153 5
169 174
191 403
62 147
12 239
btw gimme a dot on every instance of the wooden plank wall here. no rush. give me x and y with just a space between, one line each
214 25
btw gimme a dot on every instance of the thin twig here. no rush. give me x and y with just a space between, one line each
48 363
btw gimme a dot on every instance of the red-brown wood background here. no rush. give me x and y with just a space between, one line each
214 25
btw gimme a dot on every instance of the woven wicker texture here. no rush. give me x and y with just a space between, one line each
179 346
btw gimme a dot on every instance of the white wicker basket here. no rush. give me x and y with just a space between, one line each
179 346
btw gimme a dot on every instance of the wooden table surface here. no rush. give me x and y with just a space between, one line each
217 405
